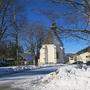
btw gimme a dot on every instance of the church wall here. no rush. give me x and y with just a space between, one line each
49 56
52 54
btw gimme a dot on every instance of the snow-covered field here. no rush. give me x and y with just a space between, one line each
64 77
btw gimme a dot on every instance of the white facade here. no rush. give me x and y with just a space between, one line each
71 60
84 57
47 54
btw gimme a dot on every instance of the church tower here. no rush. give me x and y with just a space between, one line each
52 51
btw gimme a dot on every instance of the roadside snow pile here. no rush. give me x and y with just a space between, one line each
65 78
14 69
4 70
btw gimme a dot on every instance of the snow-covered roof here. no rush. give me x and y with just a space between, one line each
87 49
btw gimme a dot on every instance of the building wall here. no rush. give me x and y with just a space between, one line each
71 60
84 57
60 51
47 54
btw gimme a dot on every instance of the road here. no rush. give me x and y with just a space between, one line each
30 72
6 81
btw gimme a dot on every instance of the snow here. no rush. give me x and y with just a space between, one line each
14 69
64 77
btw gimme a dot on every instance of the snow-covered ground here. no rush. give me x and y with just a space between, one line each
18 69
14 69
64 77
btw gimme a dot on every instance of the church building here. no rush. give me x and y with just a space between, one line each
52 51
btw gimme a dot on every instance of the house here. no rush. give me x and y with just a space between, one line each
26 58
83 56
52 50
72 59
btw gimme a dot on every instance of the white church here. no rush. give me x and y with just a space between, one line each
52 51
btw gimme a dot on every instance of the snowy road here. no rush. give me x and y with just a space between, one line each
23 76
28 72
66 77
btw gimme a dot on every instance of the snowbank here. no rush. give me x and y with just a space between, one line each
66 78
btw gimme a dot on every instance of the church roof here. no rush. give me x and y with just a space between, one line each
51 37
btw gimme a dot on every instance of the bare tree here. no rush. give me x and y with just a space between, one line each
35 36
17 26
4 16
82 8
79 10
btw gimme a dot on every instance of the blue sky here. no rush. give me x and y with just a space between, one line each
71 46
